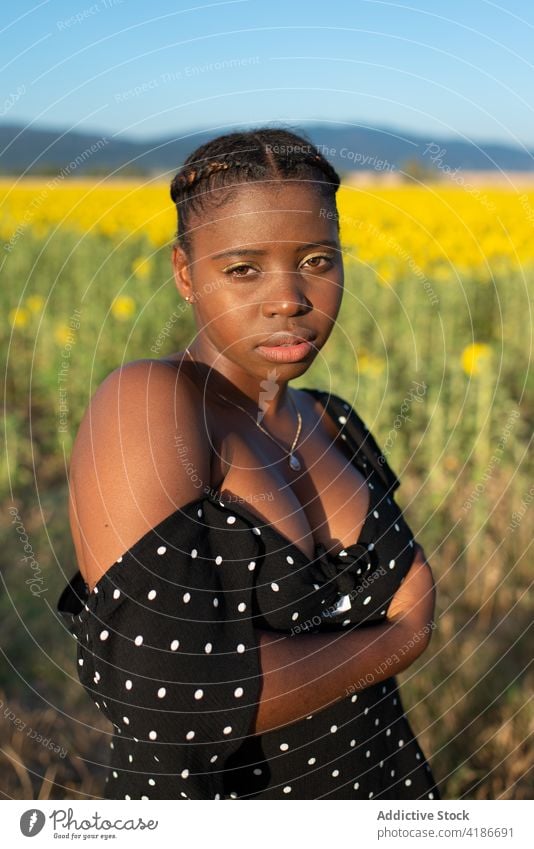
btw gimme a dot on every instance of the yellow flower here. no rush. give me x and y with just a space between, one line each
35 303
123 307
475 357
18 317
62 334
367 363
141 267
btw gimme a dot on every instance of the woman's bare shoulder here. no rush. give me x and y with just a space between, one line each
127 469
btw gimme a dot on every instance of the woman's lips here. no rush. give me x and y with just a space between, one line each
286 353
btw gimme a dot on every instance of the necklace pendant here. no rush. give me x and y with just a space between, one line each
294 463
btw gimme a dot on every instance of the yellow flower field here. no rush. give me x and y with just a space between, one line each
436 231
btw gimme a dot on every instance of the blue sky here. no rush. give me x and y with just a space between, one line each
143 70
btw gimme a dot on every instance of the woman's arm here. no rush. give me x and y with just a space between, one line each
308 672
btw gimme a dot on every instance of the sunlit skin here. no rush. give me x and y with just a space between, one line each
282 270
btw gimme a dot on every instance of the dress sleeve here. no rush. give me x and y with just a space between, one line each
167 647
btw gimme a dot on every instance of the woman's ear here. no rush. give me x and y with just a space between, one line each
181 271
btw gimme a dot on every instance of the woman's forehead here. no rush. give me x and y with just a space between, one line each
258 211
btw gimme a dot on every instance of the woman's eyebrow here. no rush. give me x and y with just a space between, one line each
258 252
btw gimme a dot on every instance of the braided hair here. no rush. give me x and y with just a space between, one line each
262 155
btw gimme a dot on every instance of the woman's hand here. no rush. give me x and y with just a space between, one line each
413 604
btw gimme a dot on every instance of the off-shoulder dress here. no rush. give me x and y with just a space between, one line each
167 647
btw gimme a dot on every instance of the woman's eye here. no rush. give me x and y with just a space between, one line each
235 269
319 258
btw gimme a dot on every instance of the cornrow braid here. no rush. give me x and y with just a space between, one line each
263 155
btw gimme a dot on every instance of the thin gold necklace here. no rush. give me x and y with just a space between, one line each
293 461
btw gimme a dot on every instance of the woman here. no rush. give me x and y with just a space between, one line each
248 587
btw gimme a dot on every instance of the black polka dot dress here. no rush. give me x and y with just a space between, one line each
167 648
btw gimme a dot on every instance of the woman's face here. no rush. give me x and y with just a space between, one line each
268 260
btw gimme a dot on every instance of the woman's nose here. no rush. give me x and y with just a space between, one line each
285 296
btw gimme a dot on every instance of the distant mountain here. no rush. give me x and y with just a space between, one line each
349 149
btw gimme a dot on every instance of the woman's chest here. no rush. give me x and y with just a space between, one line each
326 501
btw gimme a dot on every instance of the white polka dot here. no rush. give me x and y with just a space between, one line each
240 648
199 693
186 597
311 761
397 527
184 795
230 520
144 797
194 553
162 692
295 616
366 711
184 773
213 759
227 729
199 512
287 789
96 679
284 747
353 743
401 742
189 735
238 692
115 774
175 644
208 647
215 602
408 782
241 606
392 773
233 795
251 565
371 795
162 549
153 735
388 732
345 623
335 773
119 559
104 634
116 593
290 559
152 594
151 782
370 546
138 640
275 587
368 753
80 662
218 560
391 564
367 600
127 797
377 720
125 720
430 795
356 785
354 697
375 514
418 756
333 729
130 758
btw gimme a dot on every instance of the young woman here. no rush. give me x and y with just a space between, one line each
248 587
